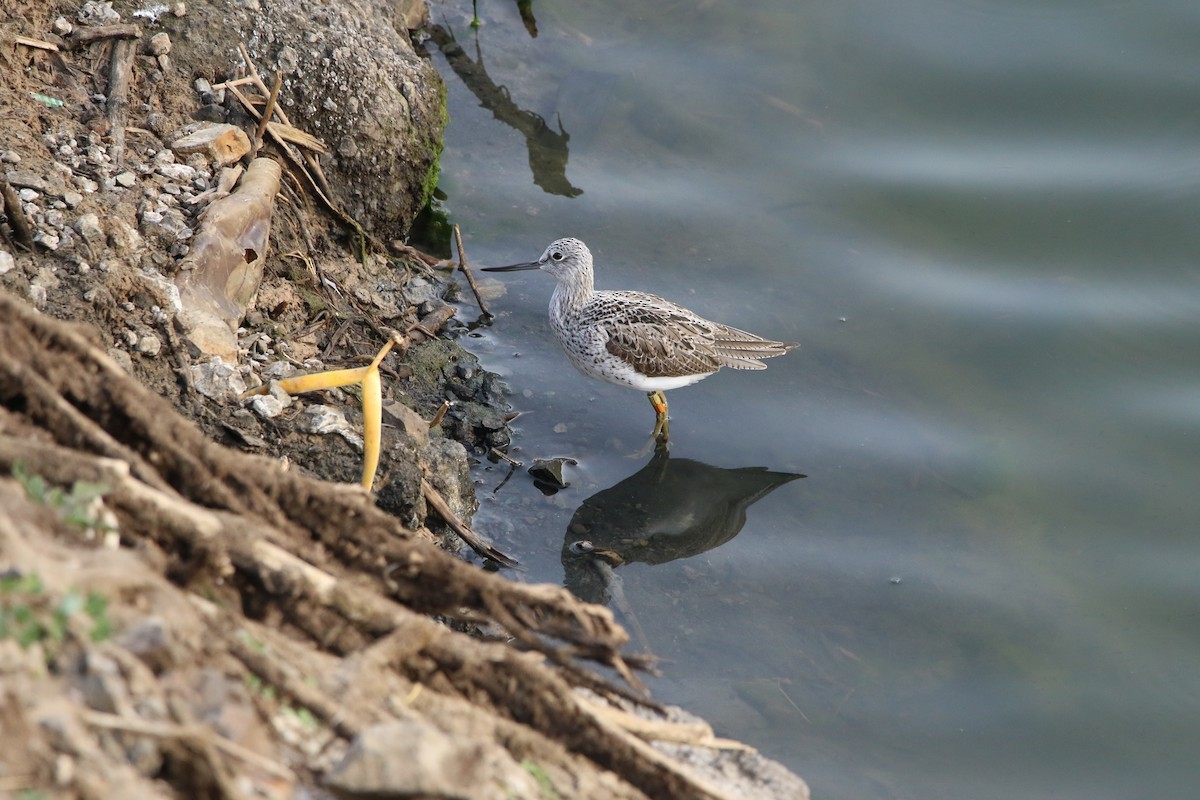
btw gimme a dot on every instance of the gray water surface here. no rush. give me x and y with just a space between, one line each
980 220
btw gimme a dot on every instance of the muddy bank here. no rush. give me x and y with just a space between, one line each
195 598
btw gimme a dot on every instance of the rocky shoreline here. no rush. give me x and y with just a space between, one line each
193 602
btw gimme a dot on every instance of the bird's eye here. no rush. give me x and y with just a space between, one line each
557 256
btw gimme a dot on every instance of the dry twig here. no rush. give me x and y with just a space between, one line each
87 35
120 74
466 270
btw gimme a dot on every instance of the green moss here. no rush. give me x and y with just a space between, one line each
428 361
435 145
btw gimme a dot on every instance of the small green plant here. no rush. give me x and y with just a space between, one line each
78 507
303 716
545 785
28 615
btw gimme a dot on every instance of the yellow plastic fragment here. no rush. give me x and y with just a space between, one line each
333 379
372 401
372 408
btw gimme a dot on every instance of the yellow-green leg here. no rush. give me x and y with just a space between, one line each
658 401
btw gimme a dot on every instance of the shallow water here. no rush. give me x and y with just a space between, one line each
979 219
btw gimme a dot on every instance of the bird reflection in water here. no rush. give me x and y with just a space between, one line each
669 509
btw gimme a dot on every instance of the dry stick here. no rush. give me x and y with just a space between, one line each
313 163
83 36
267 112
439 504
505 457
294 155
235 82
20 223
120 74
38 43
648 755
698 734
440 415
466 270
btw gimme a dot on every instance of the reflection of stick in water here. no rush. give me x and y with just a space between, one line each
525 9
547 148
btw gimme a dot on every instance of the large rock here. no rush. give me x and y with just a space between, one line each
351 78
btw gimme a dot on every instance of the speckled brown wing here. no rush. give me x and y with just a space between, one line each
660 339
658 352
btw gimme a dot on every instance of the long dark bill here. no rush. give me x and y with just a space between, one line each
514 267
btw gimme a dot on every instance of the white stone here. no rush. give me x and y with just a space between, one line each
265 405
177 172
217 380
159 44
149 344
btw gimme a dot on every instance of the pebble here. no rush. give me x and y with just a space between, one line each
86 185
29 195
149 345
126 179
158 122
7 262
47 240
276 370
319 418
63 27
177 172
265 406
28 180
217 380
10 157
95 13
159 44
72 198
88 226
